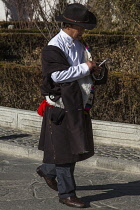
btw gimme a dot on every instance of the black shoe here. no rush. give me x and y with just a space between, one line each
72 201
51 182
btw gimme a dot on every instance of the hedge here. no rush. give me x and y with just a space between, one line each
118 100
18 46
123 50
24 24
20 86
21 77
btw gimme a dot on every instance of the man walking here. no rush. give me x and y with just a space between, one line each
66 134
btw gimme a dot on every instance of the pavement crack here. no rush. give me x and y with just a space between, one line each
33 189
91 182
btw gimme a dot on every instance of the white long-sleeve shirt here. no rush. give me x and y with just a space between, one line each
74 52
78 70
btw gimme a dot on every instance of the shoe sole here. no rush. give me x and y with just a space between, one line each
71 205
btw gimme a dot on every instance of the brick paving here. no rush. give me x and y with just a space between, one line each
19 137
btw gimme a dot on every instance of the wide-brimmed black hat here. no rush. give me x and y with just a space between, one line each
78 14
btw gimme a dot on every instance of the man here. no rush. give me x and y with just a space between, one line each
66 135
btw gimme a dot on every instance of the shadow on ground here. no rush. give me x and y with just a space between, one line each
15 136
111 191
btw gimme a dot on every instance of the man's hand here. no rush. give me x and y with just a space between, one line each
94 67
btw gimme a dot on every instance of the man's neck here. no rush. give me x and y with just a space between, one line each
67 31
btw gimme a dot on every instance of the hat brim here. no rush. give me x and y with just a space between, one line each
87 25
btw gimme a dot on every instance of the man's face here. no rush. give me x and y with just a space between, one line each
76 32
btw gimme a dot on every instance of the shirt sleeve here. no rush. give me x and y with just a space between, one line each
71 74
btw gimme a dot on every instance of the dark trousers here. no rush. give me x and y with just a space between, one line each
65 177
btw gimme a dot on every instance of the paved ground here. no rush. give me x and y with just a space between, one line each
18 137
101 189
22 189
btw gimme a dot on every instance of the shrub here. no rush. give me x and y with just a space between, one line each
20 86
20 72
17 46
118 100
123 50
25 48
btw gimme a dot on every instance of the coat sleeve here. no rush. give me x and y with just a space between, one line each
53 59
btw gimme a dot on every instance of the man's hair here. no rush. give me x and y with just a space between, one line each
67 25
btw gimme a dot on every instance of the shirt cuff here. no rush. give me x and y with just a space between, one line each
85 69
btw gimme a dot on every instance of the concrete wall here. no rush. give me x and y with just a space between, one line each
2 11
104 132
20 119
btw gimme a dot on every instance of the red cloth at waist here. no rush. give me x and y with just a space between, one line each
42 107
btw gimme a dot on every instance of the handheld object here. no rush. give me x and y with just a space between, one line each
100 77
103 62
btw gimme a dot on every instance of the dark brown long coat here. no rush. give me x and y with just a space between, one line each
55 142
66 134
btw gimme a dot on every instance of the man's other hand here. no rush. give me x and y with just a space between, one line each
94 67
